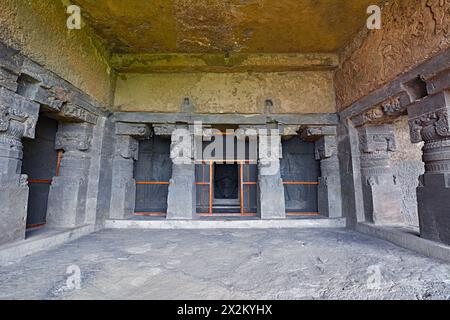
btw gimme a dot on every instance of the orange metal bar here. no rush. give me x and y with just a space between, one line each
202 183
299 214
37 225
211 187
300 183
150 214
241 181
242 214
152 182
58 162
250 183
248 190
39 181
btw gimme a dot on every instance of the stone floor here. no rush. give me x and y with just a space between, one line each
227 264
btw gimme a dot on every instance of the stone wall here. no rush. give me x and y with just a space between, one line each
412 31
290 92
38 29
407 166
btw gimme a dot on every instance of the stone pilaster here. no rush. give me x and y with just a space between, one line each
18 118
123 192
381 194
181 198
68 191
428 121
271 204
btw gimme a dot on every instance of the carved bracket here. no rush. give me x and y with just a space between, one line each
18 116
74 136
325 147
376 138
136 130
313 133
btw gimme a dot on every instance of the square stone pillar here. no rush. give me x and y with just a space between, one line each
329 189
428 121
381 194
271 204
18 119
123 189
68 191
181 199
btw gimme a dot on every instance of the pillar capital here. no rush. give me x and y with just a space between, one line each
428 118
325 148
312 133
376 138
127 136
74 136
18 116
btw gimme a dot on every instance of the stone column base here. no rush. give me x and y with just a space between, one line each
123 198
382 197
67 202
434 207
271 197
13 213
329 197
181 197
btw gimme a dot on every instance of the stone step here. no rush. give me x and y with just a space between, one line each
226 224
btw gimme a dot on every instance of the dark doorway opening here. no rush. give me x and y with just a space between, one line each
226 181
152 172
40 162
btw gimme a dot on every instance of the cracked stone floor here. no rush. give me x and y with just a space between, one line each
227 264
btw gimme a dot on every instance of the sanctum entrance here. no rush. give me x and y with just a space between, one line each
226 188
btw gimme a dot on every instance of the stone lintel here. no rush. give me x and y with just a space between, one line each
136 130
232 119
163 129
384 112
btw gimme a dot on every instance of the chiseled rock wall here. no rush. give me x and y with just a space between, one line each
38 29
412 31
290 92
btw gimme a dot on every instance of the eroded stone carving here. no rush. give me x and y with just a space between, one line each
75 113
380 192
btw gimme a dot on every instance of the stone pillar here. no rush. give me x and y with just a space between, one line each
428 121
271 204
329 189
68 191
181 200
18 119
123 192
381 194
